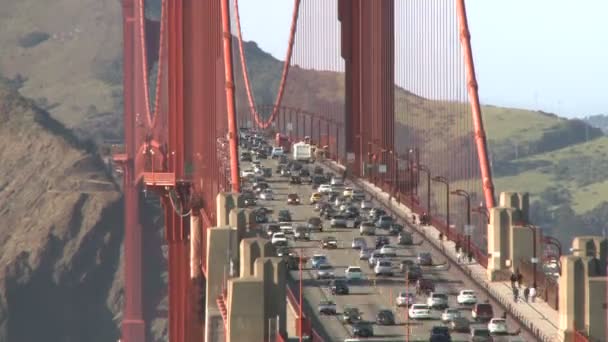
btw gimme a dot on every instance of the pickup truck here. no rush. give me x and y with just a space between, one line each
327 307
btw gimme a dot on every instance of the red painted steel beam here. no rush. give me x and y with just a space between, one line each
133 325
480 135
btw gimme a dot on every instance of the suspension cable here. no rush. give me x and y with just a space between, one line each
286 64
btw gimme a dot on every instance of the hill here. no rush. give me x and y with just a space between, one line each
60 233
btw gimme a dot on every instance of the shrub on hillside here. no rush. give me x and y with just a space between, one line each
33 38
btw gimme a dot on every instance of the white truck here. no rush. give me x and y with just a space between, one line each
302 152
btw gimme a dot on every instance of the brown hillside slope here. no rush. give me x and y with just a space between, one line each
60 231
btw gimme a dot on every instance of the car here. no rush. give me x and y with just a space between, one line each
437 300
261 154
277 152
374 257
460 324
358 195
318 170
358 243
440 334
395 229
413 272
406 264
381 241
482 312
318 260
425 259
285 172
367 228
282 251
419 311
329 242
279 239
287 227
261 217
293 199
301 233
366 204
338 221
247 173
498 326
348 192
315 223
405 239
304 172
339 287
385 317
479 334
388 251
383 267
351 315
315 197
272 228
327 307
248 199
320 205
246 157
405 299
425 286
361 329
267 195
325 271
353 273
284 215
466 297
376 213
336 180
295 180
324 188
449 315
365 253
384 222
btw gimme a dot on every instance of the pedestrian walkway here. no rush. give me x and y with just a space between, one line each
539 317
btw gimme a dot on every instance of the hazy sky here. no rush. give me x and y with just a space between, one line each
538 54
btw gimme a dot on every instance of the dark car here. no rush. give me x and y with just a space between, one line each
329 242
315 223
385 317
351 315
414 272
260 217
482 312
424 286
304 173
362 329
295 180
246 157
249 199
440 330
425 259
261 154
381 241
318 170
284 216
293 199
395 229
272 228
339 287
405 238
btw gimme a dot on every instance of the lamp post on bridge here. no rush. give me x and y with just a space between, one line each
445 181
534 260
467 197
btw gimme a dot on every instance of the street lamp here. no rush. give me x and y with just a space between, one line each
426 170
467 197
533 228
445 181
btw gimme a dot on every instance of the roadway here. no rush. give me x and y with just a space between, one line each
373 294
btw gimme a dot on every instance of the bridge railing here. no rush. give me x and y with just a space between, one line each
294 302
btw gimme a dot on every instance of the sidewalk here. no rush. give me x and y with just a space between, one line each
541 319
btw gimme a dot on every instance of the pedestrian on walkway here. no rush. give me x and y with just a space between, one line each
515 294
526 293
459 257
533 293
519 277
513 280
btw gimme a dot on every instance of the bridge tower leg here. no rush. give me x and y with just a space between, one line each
368 52
133 325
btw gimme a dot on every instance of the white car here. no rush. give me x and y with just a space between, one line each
286 227
277 152
388 251
336 180
366 204
498 326
405 299
247 173
267 195
348 192
437 300
279 238
383 267
353 273
467 297
325 271
324 188
419 311
449 315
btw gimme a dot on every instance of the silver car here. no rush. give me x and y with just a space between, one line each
339 221
383 267
359 243
365 253
325 271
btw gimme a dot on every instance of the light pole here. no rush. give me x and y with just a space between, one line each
445 181
426 170
533 228
467 196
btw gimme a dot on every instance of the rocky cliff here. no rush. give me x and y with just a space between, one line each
60 231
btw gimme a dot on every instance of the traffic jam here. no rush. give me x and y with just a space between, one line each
369 269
